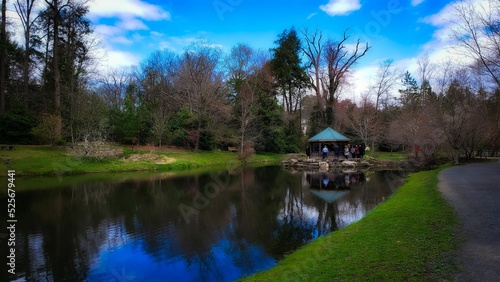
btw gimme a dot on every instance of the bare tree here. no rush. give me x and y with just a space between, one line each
313 49
457 110
444 76
425 68
492 118
201 84
339 60
478 32
113 86
363 121
387 76
157 82
245 64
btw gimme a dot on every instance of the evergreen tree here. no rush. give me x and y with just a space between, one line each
287 68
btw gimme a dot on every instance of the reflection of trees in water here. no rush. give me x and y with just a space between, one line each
366 190
55 232
264 207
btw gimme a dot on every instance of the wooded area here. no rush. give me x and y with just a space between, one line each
262 100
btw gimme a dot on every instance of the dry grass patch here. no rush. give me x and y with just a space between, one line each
154 158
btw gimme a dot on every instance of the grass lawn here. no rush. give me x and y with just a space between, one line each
410 237
394 156
46 160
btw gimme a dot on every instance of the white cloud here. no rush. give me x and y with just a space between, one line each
340 7
415 3
130 23
311 15
127 8
443 17
107 30
447 19
123 17
118 59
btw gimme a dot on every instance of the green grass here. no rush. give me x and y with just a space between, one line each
45 160
394 156
410 237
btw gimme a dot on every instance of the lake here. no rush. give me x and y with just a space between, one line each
217 226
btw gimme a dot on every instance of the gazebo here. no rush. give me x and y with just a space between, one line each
327 136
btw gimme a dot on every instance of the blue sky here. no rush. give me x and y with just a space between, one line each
394 28
402 30
131 30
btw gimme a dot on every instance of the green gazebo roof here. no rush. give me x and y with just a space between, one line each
328 135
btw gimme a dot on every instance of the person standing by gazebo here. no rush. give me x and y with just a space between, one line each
325 152
336 151
346 151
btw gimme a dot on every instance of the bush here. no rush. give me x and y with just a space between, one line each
46 130
15 127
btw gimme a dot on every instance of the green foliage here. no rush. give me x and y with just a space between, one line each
293 136
132 124
286 62
207 140
45 131
271 137
179 127
15 127
410 97
287 68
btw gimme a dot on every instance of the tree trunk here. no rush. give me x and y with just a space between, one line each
198 133
242 140
3 57
57 74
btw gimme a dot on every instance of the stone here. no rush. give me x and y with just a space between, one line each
324 165
349 163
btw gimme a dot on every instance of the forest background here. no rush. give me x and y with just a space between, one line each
255 100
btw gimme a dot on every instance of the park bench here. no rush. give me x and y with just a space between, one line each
232 149
10 147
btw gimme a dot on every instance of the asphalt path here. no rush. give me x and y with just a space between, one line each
474 191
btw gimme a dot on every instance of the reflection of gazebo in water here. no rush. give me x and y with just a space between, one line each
328 180
326 137
329 186
329 196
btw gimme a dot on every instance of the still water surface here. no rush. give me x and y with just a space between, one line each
217 226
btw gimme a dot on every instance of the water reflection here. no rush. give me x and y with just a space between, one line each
134 230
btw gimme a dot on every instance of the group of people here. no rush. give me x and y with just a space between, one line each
349 151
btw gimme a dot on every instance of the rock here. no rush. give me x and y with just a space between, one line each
349 163
364 163
324 165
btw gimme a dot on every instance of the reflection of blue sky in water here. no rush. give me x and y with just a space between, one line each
133 230
130 262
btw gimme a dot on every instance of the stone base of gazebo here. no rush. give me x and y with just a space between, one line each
315 164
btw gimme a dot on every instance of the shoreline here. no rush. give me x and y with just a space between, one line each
43 161
411 236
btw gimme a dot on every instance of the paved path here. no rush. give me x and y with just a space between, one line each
474 191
